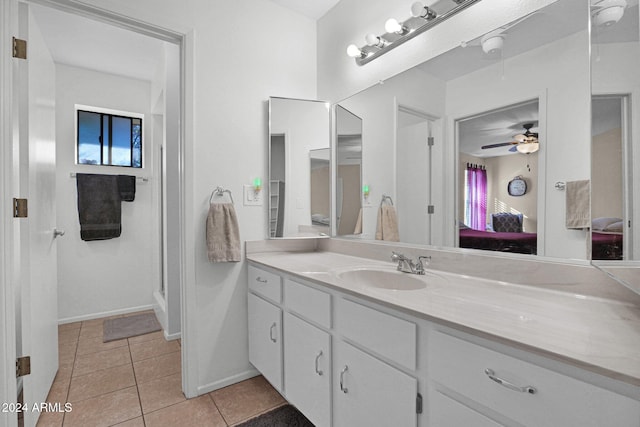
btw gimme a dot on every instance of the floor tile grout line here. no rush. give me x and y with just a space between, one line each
218 408
135 378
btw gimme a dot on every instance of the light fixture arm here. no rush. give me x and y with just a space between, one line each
371 54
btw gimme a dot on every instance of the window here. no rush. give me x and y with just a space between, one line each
109 139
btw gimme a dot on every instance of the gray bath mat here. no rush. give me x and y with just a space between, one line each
284 416
130 326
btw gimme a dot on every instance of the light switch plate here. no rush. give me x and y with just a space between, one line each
251 197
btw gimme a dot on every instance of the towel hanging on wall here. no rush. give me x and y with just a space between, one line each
127 187
99 209
578 204
222 231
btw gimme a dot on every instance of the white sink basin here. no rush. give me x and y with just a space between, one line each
383 279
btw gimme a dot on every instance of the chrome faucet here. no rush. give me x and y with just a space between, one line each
406 265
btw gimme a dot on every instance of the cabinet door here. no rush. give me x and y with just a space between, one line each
368 392
307 372
265 343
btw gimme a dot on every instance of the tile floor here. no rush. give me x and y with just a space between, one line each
136 382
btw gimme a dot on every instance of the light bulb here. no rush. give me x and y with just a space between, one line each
354 51
392 26
372 39
419 10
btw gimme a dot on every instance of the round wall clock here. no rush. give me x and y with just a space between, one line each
517 186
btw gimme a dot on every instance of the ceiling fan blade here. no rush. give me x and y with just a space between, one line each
502 144
513 149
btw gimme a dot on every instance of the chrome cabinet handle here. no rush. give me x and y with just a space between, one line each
318 371
342 387
261 280
271 332
526 389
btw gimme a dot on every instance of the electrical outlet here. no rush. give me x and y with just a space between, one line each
252 197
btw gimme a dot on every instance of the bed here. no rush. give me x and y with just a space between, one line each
521 243
505 235
606 238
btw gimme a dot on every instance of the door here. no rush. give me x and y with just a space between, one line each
265 339
37 335
368 392
413 170
307 373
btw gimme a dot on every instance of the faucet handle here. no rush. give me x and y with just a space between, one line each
423 261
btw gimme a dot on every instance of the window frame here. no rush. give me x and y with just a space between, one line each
104 112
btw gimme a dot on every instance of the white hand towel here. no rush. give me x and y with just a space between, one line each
223 234
578 204
387 227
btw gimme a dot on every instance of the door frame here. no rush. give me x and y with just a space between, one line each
185 40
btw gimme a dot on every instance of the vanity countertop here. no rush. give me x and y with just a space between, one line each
596 334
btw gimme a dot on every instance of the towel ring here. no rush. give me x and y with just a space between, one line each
219 191
386 198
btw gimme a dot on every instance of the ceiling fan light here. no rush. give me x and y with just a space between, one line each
528 148
608 16
492 43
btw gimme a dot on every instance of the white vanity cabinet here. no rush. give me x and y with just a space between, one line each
265 339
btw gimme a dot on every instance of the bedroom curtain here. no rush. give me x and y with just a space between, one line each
475 197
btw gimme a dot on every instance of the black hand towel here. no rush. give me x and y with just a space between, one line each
127 187
98 206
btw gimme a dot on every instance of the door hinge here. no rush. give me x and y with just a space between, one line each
23 366
430 141
419 404
431 209
19 48
20 209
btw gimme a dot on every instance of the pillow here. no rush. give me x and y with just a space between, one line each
603 222
507 222
615 227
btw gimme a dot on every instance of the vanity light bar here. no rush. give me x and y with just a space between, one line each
402 32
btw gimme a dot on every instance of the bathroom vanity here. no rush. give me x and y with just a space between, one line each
350 349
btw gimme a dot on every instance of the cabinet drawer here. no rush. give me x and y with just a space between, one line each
447 412
265 283
308 302
554 400
386 335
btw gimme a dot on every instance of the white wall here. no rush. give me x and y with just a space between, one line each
228 82
111 275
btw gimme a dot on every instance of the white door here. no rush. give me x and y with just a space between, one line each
368 392
413 170
307 372
265 339
38 269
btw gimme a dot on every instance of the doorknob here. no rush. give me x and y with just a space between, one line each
57 233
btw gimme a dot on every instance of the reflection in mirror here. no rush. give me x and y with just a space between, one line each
497 182
297 130
615 126
319 163
348 172
538 77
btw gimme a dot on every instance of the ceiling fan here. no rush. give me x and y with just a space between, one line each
525 143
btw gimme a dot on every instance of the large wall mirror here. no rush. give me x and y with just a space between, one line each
615 41
299 168
348 201
468 147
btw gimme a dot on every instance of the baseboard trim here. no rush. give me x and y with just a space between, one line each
207 388
171 337
104 314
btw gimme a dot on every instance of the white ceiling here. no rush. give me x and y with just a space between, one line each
85 43
313 9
